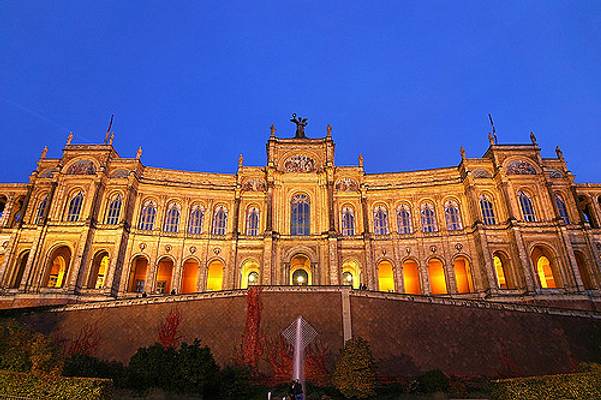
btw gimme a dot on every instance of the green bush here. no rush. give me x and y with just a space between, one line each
14 346
190 369
354 375
19 384
581 386
236 382
433 381
91 367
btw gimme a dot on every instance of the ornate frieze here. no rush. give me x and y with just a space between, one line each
520 167
82 167
347 185
481 173
254 185
299 163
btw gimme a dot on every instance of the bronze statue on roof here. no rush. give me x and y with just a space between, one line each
300 126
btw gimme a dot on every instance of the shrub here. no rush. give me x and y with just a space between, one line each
14 346
83 365
18 384
45 355
580 386
433 381
354 375
235 383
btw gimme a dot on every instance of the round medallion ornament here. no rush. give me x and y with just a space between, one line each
433 249
142 246
408 250
168 248
216 250
5 244
192 249
459 247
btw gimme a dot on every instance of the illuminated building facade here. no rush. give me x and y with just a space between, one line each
508 226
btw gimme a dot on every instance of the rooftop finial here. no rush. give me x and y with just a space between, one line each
493 132
240 160
300 126
533 138
361 160
559 153
139 153
108 130
70 138
329 130
112 138
462 152
272 130
44 152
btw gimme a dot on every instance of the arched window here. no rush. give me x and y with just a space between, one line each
197 216
348 221
114 210
527 207
172 218
3 201
585 206
252 221
18 210
300 217
41 211
381 221
147 216
562 209
75 207
403 220
428 218
488 213
220 221
452 215
500 272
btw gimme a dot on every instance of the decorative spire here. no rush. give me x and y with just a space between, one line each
139 153
361 160
108 130
240 160
272 130
462 152
533 138
111 138
491 139
493 130
44 152
329 130
559 153
70 138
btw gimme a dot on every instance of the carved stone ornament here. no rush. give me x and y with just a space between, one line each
167 248
5 244
254 185
82 167
433 249
459 247
520 167
481 173
192 249
299 163
383 252
47 173
347 185
408 250
216 250
120 173
142 246
554 173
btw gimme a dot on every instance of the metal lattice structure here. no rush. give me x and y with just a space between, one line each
307 333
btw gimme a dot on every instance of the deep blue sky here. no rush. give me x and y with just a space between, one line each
196 83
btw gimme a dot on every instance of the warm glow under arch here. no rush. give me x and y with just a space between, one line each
351 274
385 276
100 266
164 275
411 281
249 274
215 275
438 282
58 268
190 276
500 266
137 274
463 275
15 281
300 271
545 269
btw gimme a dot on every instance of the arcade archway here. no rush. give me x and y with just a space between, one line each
300 271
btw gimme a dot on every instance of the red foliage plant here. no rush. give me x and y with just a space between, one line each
168 329
251 346
86 342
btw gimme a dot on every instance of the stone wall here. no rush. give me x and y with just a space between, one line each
408 334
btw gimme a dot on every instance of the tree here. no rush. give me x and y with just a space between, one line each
354 375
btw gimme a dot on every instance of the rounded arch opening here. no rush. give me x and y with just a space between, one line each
546 270
463 275
385 276
501 267
138 272
411 280
20 270
215 275
351 274
436 275
58 267
190 276
164 276
100 266
249 274
300 271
